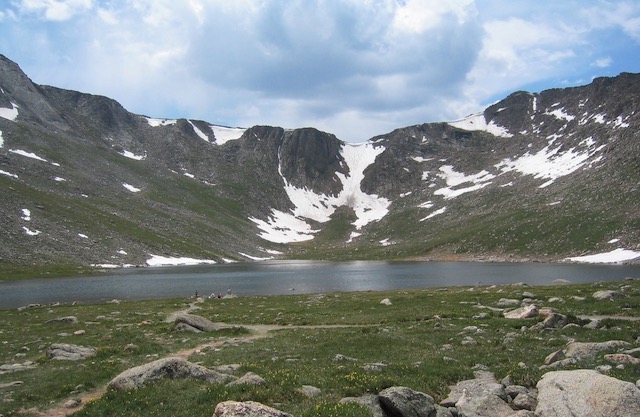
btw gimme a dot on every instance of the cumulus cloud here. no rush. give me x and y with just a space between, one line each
354 68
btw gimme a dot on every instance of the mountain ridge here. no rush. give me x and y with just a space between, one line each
543 176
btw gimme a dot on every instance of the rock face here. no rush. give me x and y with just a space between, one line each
586 393
246 409
63 351
171 368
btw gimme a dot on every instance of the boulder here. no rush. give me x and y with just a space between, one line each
525 312
405 402
482 396
622 358
589 350
552 321
67 319
310 391
64 351
586 393
166 368
607 295
246 409
197 322
386 302
370 401
248 379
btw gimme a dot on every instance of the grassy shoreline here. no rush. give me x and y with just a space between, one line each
417 341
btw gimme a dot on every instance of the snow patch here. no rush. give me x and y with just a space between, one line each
225 134
453 179
614 241
255 258
157 260
550 163
131 188
353 235
426 204
59 179
291 227
26 215
478 122
8 174
199 132
131 155
1 140
618 123
9 113
160 122
561 114
420 159
435 213
82 235
27 154
31 232
614 256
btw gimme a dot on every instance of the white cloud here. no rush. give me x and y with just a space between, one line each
56 10
353 68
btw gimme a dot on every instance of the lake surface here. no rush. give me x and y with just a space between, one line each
295 277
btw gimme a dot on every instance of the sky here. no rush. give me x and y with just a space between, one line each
354 68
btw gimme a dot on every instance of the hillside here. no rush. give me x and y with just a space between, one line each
539 176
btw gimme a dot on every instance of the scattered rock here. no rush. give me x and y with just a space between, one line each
552 321
508 302
525 401
607 295
67 352
76 402
167 368
16 367
386 302
370 401
586 393
340 357
374 367
310 391
79 332
556 356
246 409
249 378
67 319
405 402
525 312
589 350
622 358
228 369
11 384
184 327
197 322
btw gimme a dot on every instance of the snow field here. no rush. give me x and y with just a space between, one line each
291 227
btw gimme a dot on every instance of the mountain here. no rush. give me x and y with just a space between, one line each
540 176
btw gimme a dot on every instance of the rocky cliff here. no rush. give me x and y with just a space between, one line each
537 175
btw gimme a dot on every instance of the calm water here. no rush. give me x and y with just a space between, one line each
291 277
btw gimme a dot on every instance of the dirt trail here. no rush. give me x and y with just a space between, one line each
257 331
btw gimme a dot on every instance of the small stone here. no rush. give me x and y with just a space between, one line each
79 332
72 403
386 302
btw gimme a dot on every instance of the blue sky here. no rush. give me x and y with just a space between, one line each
355 68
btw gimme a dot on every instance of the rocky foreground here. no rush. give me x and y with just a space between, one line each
570 384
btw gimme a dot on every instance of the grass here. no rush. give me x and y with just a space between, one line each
415 342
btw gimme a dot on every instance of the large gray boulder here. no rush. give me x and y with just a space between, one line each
586 393
479 397
589 350
166 368
405 402
607 295
246 409
66 352
197 322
